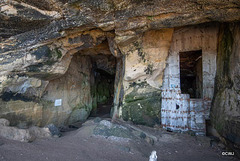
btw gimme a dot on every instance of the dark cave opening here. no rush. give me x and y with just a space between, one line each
102 85
104 93
191 73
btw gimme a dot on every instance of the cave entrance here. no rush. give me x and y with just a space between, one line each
102 84
103 94
191 73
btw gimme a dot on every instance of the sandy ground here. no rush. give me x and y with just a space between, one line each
79 146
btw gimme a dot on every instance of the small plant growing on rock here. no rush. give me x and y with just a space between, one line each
149 69
151 18
141 54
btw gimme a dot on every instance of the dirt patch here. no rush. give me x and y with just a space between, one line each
82 144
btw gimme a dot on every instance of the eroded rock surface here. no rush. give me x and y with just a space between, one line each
34 57
226 105
52 52
116 132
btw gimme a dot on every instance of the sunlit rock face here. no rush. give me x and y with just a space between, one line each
56 57
74 90
145 62
33 78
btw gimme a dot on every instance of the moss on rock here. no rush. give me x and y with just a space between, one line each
79 113
225 106
142 108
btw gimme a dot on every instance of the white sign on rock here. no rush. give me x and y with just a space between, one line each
58 102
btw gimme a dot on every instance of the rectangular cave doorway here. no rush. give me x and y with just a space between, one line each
102 85
191 78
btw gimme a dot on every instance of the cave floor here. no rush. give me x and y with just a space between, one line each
80 145
103 111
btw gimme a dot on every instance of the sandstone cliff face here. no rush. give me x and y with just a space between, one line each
54 49
74 90
225 111
145 62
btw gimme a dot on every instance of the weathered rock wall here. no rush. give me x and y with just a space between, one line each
22 113
50 17
225 112
26 73
73 88
75 92
145 62
39 39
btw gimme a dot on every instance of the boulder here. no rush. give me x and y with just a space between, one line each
23 135
54 131
37 132
4 122
13 133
